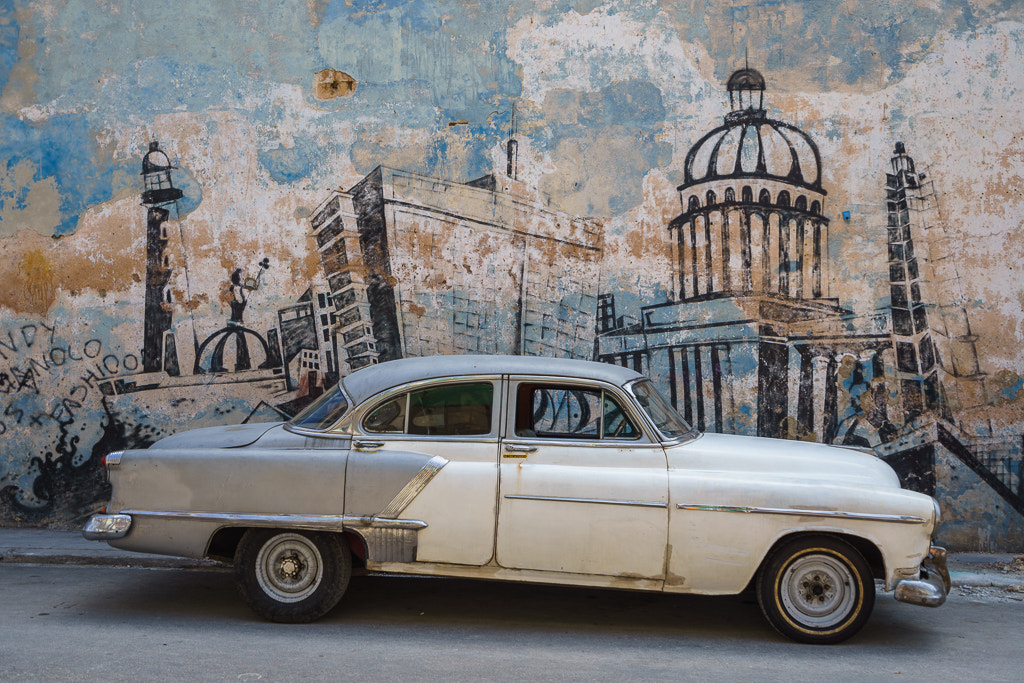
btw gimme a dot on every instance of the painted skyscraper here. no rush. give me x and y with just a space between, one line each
419 266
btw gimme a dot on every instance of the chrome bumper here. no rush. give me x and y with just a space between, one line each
932 588
107 527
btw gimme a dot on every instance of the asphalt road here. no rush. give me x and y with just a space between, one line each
107 623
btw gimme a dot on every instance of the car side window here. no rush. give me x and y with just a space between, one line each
566 412
616 424
388 418
448 410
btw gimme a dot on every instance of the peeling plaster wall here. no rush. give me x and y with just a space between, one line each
266 109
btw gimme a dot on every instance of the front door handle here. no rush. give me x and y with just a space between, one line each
368 445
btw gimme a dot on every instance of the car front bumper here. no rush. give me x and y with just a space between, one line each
931 589
107 527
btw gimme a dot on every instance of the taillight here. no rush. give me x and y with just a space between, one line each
111 459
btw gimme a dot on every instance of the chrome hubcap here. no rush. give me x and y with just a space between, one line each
289 567
818 591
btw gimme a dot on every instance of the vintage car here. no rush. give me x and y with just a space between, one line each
527 469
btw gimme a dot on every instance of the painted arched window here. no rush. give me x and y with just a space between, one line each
747 195
783 198
801 203
764 198
815 207
730 194
711 198
694 203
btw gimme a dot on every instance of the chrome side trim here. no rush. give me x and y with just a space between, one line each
834 514
600 501
390 545
413 488
311 522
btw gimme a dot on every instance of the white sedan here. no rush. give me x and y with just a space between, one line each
527 469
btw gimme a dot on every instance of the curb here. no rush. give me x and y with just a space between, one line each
15 557
989 579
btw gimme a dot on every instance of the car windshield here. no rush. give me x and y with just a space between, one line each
665 418
323 412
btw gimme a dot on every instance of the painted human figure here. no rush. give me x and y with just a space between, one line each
238 298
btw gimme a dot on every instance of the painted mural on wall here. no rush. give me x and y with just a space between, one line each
805 238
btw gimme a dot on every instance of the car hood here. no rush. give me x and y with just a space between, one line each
793 461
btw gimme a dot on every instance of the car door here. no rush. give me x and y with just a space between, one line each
582 487
428 452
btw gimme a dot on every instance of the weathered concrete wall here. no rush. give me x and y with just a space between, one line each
574 121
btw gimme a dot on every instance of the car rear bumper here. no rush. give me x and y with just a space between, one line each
107 527
931 589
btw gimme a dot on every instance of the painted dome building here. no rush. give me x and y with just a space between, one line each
751 343
752 206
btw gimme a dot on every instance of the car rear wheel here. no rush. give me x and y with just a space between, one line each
816 590
292 576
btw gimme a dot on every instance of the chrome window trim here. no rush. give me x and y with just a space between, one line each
662 438
624 398
833 514
386 439
327 432
359 413
583 443
312 522
600 501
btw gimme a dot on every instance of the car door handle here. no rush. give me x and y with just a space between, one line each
368 445
519 448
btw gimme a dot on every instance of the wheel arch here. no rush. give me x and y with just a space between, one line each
866 547
817 587
224 542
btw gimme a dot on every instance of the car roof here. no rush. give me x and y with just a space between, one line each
367 382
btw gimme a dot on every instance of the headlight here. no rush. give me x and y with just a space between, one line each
938 512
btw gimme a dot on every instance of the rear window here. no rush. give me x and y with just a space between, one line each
446 410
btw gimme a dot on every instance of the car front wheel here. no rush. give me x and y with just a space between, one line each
816 590
292 576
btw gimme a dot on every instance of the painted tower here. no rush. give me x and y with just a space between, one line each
927 345
158 350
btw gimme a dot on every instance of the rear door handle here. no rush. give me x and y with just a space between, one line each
519 448
368 445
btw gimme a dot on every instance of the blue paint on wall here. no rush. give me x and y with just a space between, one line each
63 149
288 164
8 40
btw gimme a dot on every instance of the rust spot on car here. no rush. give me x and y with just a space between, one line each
674 579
